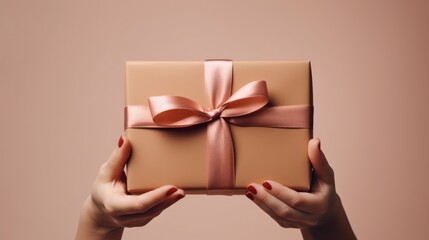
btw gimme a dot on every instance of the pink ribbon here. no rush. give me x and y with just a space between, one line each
246 107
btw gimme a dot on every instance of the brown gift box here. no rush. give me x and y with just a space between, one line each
178 156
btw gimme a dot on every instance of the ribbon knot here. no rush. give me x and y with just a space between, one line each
246 107
214 114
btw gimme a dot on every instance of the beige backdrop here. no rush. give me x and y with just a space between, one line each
61 100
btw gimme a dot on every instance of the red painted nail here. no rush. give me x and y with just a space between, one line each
252 189
180 196
249 196
267 185
171 191
120 142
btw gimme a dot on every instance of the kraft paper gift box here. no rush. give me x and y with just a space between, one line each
213 127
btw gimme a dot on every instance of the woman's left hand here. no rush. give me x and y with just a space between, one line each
318 213
292 209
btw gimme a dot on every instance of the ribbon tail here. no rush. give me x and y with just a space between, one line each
138 116
220 150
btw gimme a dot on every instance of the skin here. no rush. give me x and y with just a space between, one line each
318 213
109 208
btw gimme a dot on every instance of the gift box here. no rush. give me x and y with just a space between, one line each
215 126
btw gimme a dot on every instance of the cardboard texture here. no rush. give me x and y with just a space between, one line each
178 156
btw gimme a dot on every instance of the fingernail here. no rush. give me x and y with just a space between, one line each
267 185
252 189
249 196
180 196
171 191
318 143
120 142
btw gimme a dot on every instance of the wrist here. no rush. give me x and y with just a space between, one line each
335 226
331 217
94 224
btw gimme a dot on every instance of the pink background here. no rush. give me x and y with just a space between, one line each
61 100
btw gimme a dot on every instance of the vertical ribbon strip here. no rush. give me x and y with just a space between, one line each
245 107
220 148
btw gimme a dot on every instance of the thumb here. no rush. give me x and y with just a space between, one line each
321 167
114 167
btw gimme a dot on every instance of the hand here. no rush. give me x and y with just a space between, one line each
318 213
109 208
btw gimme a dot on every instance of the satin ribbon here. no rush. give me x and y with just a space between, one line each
246 107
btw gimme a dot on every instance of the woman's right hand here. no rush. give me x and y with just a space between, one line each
110 208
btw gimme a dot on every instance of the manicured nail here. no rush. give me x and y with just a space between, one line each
267 185
249 196
252 189
171 191
180 196
120 142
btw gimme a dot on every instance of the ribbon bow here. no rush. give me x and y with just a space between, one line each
246 107
175 111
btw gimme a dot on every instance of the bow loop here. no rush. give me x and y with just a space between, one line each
248 99
176 111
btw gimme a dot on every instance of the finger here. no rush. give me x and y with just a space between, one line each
289 225
286 223
320 164
113 168
280 209
138 219
156 210
282 222
139 223
302 201
129 204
